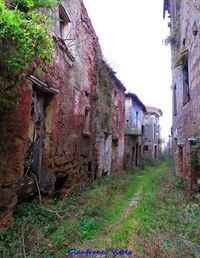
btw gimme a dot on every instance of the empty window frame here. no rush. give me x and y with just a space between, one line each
154 131
64 22
186 90
174 101
137 117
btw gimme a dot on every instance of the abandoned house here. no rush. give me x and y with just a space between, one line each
109 94
134 129
68 127
185 50
118 123
153 141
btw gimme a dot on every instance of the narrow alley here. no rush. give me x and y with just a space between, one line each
99 128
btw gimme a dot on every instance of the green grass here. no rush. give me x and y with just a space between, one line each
167 220
49 229
164 223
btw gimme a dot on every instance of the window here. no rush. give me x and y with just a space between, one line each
154 131
174 101
64 22
143 129
87 119
136 119
146 132
186 91
146 147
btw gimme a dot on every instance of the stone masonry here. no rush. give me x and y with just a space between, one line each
134 132
68 117
185 48
153 141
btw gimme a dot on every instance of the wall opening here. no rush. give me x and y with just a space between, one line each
155 152
89 169
133 155
40 117
137 114
143 129
174 101
64 22
36 131
59 185
136 155
185 72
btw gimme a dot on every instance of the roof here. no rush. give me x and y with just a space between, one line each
154 111
112 75
136 99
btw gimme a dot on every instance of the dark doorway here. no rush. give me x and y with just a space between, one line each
136 155
155 152
133 155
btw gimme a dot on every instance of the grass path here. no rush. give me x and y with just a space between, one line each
145 212
156 220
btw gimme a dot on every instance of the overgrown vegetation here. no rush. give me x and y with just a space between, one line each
164 222
132 132
167 219
50 229
23 40
104 85
23 34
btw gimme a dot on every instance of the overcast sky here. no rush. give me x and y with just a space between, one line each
130 33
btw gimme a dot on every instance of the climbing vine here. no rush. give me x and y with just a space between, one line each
23 34
132 132
23 40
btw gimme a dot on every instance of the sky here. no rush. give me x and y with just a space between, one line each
131 33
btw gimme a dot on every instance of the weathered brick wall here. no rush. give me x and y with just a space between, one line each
118 99
186 121
77 137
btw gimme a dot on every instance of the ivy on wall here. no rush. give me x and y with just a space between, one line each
23 34
103 89
132 132
23 39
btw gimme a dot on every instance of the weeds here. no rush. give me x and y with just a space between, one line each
80 218
167 219
164 223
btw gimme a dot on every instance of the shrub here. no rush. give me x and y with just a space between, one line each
23 35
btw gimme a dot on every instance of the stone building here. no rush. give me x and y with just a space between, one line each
134 129
153 141
109 116
185 49
66 124
118 123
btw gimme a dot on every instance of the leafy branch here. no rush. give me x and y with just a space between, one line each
23 35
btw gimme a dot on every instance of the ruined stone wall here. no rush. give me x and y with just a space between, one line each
186 119
133 121
118 104
134 149
152 133
75 97
134 140
109 115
